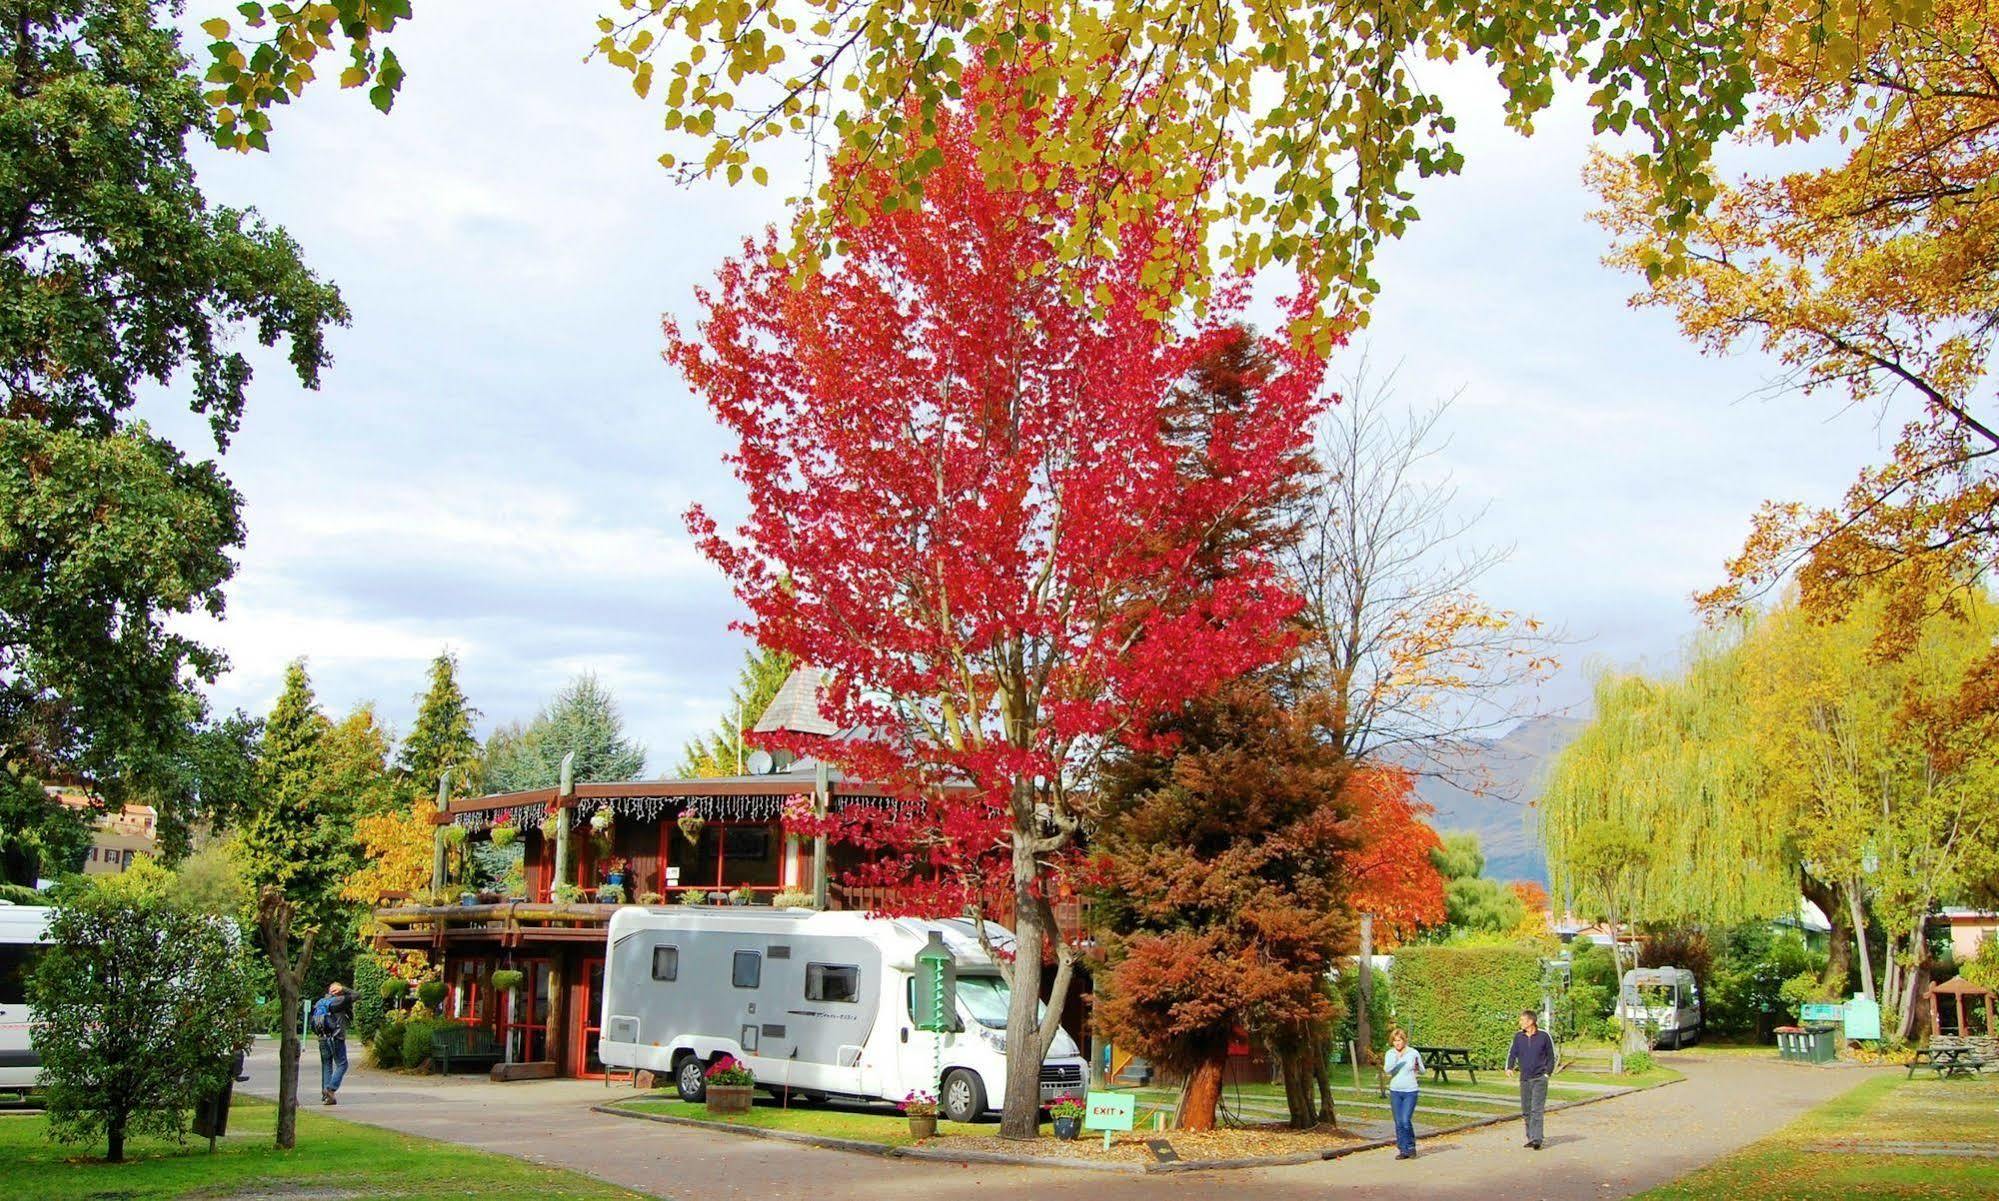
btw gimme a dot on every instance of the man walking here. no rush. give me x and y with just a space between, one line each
1533 1054
331 1015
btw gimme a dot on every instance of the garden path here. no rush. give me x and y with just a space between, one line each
1614 1148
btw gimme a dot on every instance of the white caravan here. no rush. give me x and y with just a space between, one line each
820 1004
1666 1001
23 932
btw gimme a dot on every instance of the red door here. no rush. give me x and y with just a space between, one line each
589 997
523 1018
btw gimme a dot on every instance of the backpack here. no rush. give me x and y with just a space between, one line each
322 1016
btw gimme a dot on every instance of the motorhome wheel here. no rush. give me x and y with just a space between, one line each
964 1097
691 1079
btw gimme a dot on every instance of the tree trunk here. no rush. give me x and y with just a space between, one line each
274 924
1914 989
1631 1038
115 1136
1859 918
1020 1116
1839 945
1201 1093
1363 1029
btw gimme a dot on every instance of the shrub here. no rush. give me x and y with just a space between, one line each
1742 995
1466 996
1637 1063
369 1004
417 1033
1380 1009
792 898
386 1047
139 1002
1801 989
431 993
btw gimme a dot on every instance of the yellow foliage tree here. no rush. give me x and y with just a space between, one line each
1875 277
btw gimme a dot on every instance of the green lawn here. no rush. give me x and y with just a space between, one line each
332 1158
861 1124
1794 1164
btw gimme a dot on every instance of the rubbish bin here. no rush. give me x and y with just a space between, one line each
1821 1043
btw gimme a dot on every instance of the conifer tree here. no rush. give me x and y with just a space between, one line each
764 672
396 843
284 843
584 718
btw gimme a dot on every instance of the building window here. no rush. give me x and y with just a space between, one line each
832 982
749 970
666 963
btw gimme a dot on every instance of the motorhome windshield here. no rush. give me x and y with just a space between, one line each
1652 996
985 998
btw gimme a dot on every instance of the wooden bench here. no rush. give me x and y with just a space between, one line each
1442 1061
1947 1062
472 1044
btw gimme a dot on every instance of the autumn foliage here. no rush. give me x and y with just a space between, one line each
958 481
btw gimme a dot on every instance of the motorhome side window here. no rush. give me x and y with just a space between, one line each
749 969
16 961
666 963
832 982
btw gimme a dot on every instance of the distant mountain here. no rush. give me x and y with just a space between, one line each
1508 773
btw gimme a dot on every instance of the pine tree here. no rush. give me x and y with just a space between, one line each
583 718
764 672
396 842
280 836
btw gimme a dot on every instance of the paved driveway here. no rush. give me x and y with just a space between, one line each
1610 1149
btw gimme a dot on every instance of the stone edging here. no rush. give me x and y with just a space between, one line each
883 1151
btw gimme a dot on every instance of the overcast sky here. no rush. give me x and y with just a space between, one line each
499 460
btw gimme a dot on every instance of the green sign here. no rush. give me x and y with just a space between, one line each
1819 1011
936 987
1863 1019
1108 1112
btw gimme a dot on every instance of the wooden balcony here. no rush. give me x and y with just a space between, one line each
507 924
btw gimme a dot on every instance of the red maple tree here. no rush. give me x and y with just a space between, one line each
1390 868
958 478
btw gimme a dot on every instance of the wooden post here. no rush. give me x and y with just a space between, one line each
555 1007
274 924
438 849
565 796
1363 1029
821 805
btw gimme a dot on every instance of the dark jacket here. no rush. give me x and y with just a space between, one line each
1533 1053
339 1015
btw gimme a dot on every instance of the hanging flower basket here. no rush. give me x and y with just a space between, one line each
504 834
691 824
600 821
507 979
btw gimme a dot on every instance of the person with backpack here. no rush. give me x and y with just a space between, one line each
331 1015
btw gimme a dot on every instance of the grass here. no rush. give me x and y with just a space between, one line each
332 1158
1796 1165
859 1123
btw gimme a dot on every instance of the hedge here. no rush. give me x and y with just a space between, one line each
1466 996
367 985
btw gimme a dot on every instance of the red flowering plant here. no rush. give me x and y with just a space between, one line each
918 1103
967 507
1070 1106
729 1070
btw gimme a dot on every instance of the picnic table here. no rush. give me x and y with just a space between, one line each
1947 1062
1442 1061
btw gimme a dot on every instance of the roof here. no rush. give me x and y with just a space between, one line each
795 709
776 784
1958 984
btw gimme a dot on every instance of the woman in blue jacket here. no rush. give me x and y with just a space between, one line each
1404 1068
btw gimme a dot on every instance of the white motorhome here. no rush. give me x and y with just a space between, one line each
1666 1001
820 1004
23 932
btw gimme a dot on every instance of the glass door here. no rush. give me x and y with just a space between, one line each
590 997
523 1018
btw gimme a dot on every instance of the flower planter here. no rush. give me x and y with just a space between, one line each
922 1125
1068 1128
729 1098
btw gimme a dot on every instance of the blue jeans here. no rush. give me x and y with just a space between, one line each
1404 1105
332 1064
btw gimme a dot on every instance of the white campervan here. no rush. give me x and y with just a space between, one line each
23 932
817 1003
1666 1001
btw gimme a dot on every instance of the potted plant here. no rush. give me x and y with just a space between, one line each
1068 1115
743 896
615 871
551 826
430 994
468 897
691 824
650 898
454 835
921 1109
394 989
507 979
504 831
791 898
730 1085
566 894
600 821
693 896
610 894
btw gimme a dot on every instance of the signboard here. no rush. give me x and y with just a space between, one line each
1108 1112
672 877
1863 1019
1819 1011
